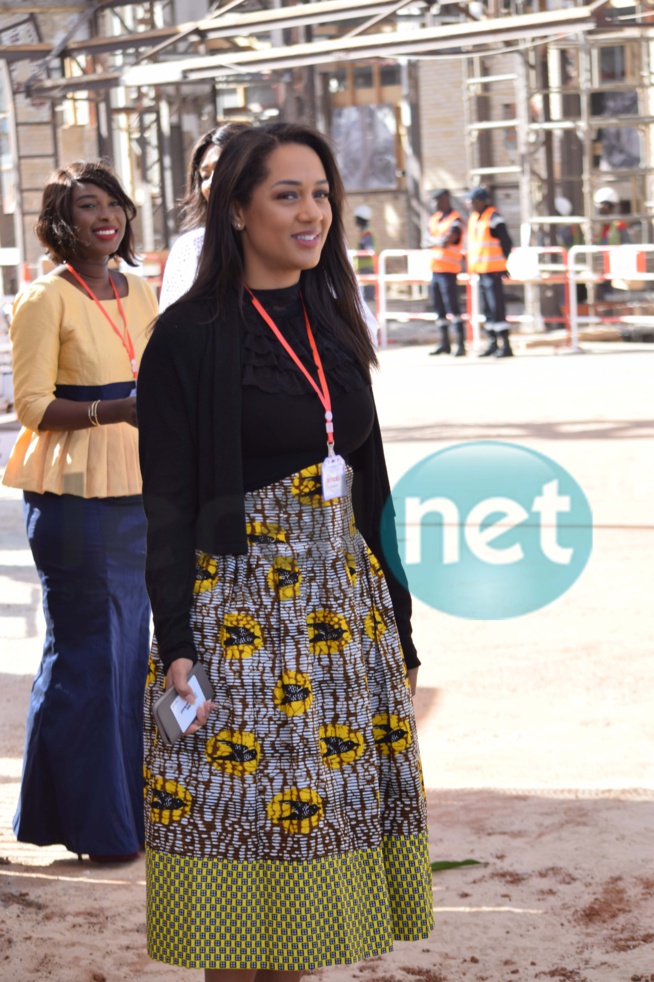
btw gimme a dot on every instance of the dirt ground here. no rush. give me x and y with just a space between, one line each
536 733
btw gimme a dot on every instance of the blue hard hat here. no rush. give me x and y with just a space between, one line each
478 194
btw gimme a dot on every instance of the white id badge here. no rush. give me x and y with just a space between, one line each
334 478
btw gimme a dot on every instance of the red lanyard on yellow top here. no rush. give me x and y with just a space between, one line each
125 337
323 390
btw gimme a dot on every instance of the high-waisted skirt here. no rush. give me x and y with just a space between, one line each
290 832
82 782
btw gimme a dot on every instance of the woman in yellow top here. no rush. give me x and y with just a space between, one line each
77 337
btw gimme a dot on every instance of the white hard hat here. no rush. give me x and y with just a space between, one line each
606 195
563 206
364 212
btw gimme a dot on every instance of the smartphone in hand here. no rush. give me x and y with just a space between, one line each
173 714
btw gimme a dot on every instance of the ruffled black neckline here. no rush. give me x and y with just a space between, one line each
266 365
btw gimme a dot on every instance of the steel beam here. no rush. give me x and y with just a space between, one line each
391 44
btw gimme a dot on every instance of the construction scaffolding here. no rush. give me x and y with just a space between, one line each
581 119
557 98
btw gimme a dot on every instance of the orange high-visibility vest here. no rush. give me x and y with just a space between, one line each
484 252
445 259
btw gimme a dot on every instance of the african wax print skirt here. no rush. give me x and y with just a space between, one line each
290 832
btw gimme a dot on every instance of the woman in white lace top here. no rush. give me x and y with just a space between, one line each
182 263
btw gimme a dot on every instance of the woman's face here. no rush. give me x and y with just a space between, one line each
207 166
99 221
284 227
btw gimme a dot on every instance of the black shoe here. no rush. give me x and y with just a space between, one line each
444 347
505 351
460 349
491 348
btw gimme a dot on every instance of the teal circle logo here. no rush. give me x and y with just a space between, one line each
488 530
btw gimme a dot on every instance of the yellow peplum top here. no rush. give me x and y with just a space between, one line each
64 347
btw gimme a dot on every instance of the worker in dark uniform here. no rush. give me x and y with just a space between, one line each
365 265
446 232
489 245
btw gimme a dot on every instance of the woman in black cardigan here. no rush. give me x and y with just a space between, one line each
286 830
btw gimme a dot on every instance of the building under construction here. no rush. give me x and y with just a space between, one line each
537 100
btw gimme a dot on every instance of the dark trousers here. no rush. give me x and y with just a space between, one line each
445 297
491 295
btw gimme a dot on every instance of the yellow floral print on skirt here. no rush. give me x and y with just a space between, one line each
290 832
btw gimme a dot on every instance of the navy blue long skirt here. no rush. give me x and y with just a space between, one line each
82 783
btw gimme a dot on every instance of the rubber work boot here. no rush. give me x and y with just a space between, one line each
444 347
505 350
460 349
491 347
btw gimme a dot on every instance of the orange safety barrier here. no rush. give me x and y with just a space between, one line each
627 263
531 269
624 264
533 265
153 265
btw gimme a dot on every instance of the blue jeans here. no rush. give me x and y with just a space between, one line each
445 297
491 295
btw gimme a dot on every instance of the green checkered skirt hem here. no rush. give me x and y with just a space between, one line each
288 916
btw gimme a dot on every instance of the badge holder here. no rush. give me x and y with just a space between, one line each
334 477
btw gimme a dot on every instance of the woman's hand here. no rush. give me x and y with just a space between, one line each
412 675
66 414
177 676
118 411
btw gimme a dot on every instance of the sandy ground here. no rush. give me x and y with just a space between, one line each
536 733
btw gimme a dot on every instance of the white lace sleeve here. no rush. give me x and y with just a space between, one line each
181 267
371 321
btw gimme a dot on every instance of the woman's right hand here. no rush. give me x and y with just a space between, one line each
118 411
177 676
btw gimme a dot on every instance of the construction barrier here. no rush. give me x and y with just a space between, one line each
418 272
152 268
627 264
366 279
531 266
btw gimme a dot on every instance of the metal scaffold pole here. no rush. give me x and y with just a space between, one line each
525 179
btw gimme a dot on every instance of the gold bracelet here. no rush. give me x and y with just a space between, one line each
93 413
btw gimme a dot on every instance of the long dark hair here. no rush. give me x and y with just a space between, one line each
193 208
330 286
55 228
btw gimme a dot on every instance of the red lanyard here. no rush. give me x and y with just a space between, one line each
125 337
323 390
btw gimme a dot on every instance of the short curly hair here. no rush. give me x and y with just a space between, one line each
54 226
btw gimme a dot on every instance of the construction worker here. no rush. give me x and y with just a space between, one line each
567 235
365 265
615 231
489 245
446 231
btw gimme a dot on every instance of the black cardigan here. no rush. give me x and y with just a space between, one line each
189 385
